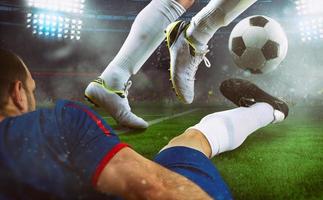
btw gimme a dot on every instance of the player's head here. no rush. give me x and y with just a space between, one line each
16 85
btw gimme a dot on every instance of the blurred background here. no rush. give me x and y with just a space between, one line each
66 44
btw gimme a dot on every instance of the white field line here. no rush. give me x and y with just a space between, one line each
159 120
156 121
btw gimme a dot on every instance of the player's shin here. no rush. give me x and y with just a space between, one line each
227 130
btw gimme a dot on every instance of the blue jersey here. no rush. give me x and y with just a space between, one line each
59 153
55 153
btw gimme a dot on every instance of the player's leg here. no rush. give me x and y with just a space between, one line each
226 130
187 42
216 14
219 132
110 90
145 36
189 153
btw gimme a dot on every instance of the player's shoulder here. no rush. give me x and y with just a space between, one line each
76 111
71 106
72 109
76 115
63 104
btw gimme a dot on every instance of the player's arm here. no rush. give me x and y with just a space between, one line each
132 176
98 156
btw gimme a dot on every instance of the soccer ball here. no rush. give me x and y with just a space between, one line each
258 44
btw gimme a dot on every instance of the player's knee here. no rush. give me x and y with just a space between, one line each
190 134
192 138
190 2
186 3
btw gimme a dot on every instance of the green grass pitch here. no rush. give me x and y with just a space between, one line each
281 161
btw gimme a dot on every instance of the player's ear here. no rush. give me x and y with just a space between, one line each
17 95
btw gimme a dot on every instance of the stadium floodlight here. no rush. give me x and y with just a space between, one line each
311 29
309 7
59 19
54 26
68 6
311 24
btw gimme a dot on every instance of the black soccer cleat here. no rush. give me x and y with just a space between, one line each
244 93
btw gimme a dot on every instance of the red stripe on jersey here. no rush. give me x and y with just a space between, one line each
105 161
93 117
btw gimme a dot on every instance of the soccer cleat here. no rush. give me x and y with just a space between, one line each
184 60
244 93
115 103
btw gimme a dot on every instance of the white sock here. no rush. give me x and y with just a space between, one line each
146 34
214 15
227 130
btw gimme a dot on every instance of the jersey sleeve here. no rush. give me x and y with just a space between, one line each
89 141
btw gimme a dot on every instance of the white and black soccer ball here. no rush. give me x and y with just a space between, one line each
258 44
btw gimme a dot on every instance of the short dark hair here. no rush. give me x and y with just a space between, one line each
11 69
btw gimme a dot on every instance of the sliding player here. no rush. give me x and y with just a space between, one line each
69 152
187 43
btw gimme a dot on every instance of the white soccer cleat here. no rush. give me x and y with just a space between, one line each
115 103
184 60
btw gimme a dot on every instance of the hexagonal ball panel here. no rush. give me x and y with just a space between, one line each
258 21
270 50
253 60
238 46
